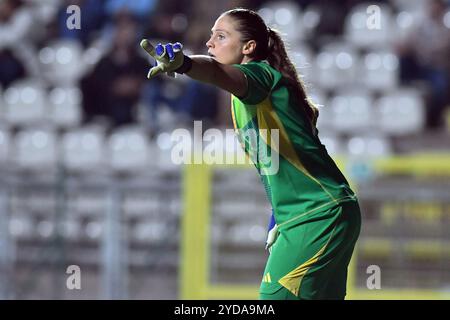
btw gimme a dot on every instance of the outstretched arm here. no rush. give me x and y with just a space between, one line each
207 69
203 68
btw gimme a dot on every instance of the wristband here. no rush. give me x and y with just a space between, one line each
186 66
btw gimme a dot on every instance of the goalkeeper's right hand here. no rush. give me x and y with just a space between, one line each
272 233
169 58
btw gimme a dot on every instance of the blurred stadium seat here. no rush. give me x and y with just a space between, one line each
401 112
86 201
71 228
93 229
83 150
45 228
162 151
379 70
128 150
36 150
21 226
311 19
246 234
405 21
65 107
25 103
136 204
286 17
5 146
62 63
303 57
369 145
335 65
361 27
149 231
38 198
352 111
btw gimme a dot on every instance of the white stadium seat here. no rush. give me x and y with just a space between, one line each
352 111
5 146
21 226
36 149
335 66
83 150
369 25
303 58
71 228
311 18
405 22
284 16
149 231
65 107
371 146
25 104
401 112
62 62
128 149
378 70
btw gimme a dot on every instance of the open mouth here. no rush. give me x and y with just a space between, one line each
211 55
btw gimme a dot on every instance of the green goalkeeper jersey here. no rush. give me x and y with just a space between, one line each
300 178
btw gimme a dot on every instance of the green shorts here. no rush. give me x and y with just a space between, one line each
310 260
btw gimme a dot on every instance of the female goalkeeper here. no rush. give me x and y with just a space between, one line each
317 214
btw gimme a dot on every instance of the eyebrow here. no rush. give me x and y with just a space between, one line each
221 30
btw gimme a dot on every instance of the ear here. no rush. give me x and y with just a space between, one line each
249 47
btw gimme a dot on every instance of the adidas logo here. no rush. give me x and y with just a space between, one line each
267 278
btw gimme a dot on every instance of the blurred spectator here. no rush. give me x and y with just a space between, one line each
332 17
170 21
425 56
11 68
114 86
190 100
200 101
15 22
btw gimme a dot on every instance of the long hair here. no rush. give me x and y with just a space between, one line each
270 47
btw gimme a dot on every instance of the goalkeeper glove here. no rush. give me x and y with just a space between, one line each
169 58
272 233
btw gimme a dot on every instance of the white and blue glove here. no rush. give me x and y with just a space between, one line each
272 232
169 58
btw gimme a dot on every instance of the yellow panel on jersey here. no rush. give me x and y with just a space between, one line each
293 279
268 120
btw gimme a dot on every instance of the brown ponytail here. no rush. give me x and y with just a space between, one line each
270 47
277 57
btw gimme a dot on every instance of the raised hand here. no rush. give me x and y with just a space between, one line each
169 58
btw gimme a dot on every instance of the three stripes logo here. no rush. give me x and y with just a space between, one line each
267 278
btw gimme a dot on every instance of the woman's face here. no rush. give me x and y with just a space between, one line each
225 44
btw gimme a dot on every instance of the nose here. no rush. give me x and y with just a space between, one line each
209 43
